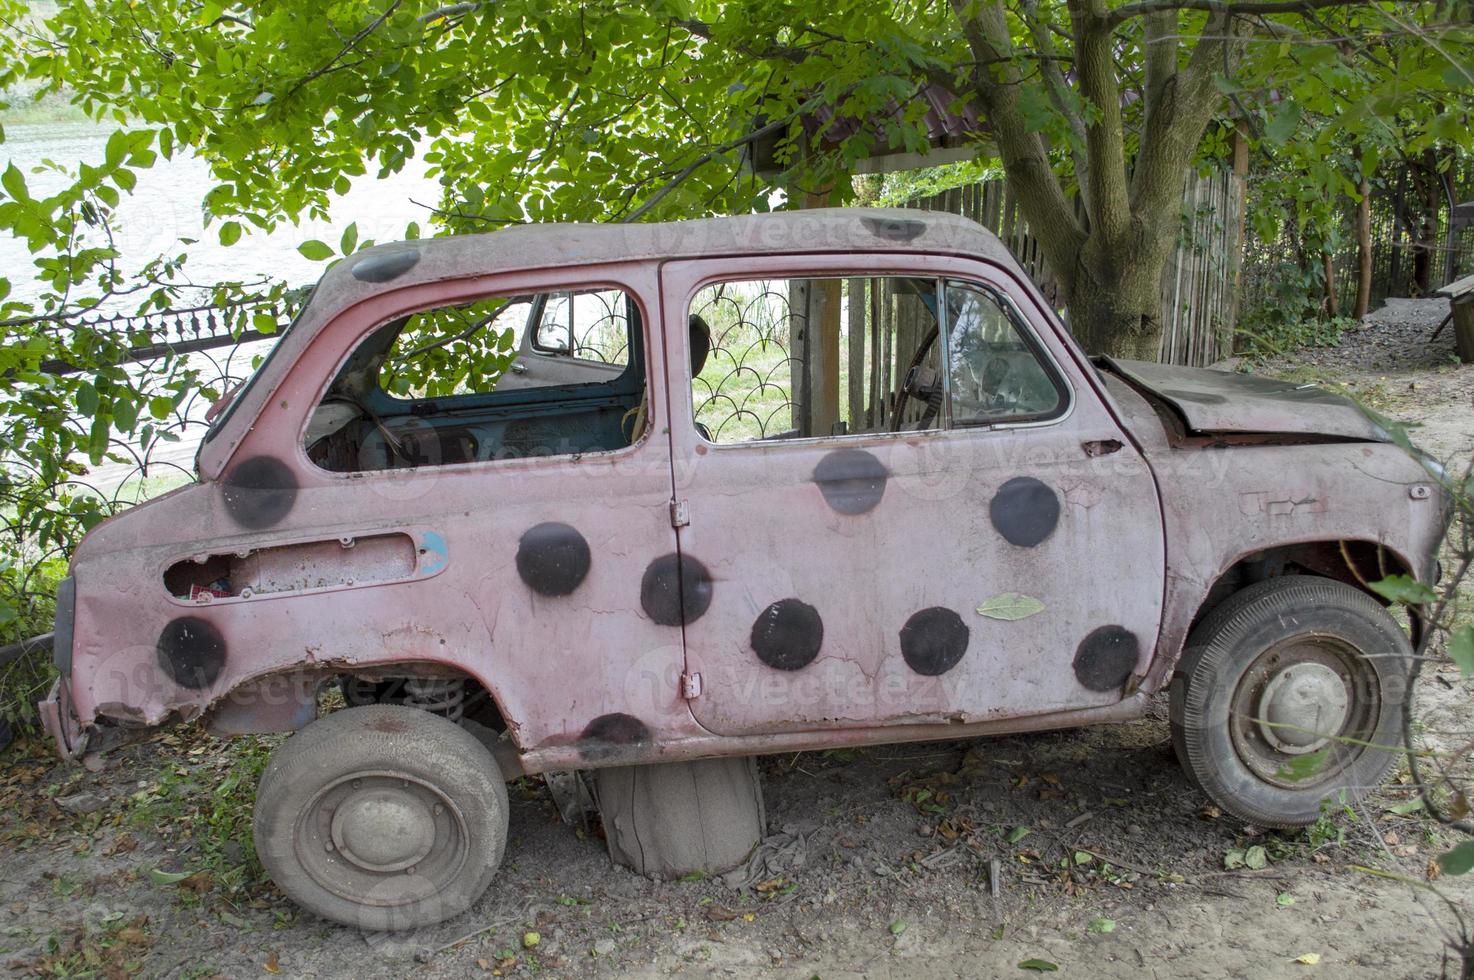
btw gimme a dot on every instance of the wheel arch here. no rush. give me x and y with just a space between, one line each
1354 561
286 700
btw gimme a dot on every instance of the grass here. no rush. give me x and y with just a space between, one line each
210 799
52 108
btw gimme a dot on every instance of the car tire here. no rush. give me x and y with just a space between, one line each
382 817
1293 668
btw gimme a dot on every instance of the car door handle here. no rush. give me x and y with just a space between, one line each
519 368
1101 447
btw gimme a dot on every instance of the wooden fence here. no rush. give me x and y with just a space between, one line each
1199 285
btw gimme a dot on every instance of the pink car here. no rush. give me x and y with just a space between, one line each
571 497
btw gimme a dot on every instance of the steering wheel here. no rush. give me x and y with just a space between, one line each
919 386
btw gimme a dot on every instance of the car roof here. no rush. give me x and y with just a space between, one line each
535 246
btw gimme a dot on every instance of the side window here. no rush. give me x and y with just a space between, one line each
996 371
793 358
450 385
586 326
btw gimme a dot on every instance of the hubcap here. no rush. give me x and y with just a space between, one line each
382 838
1307 693
383 830
1302 707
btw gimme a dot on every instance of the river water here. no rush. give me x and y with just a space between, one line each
164 208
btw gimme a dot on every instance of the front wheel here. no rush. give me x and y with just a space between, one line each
382 817
1289 695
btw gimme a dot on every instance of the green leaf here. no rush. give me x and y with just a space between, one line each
1101 925
897 927
1461 648
1017 834
1040 966
1303 767
350 239
125 413
1282 123
87 400
7 612
1256 858
230 233
1010 606
163 878
1458 861
14 183
1403 589
1284 900
315 250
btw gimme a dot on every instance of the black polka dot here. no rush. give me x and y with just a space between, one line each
191 652
553 559
1025 511
675 590
933 641
1106 658
788 634
608 735
259 492
851 480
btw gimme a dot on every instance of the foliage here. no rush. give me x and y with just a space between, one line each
26 609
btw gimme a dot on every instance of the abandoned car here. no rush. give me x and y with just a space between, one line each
591 498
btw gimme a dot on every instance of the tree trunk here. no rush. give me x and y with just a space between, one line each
1430 198
1328 273
1363 249
1115 304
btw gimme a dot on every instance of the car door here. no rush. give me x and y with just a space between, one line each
538 552
888 519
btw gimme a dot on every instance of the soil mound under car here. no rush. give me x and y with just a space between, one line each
573 497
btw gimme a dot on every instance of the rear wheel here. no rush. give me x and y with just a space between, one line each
1289 695
383 817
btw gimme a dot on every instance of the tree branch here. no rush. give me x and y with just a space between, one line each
1240 8
1020 147
1095 66
1176 118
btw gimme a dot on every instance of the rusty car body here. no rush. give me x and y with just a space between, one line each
636 587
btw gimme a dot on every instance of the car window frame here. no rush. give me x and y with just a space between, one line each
1019 321
1035 346
560 280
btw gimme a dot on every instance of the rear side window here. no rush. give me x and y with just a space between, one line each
500 377
589 325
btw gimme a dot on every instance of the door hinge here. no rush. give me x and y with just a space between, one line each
680 513
690 686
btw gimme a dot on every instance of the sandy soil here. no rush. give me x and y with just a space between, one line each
878 864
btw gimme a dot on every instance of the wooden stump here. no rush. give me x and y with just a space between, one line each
682 817
1464 329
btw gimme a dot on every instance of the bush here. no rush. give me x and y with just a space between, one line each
27 606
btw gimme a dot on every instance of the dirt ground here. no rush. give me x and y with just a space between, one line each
1109 863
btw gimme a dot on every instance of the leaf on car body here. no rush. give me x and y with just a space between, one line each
1010 606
